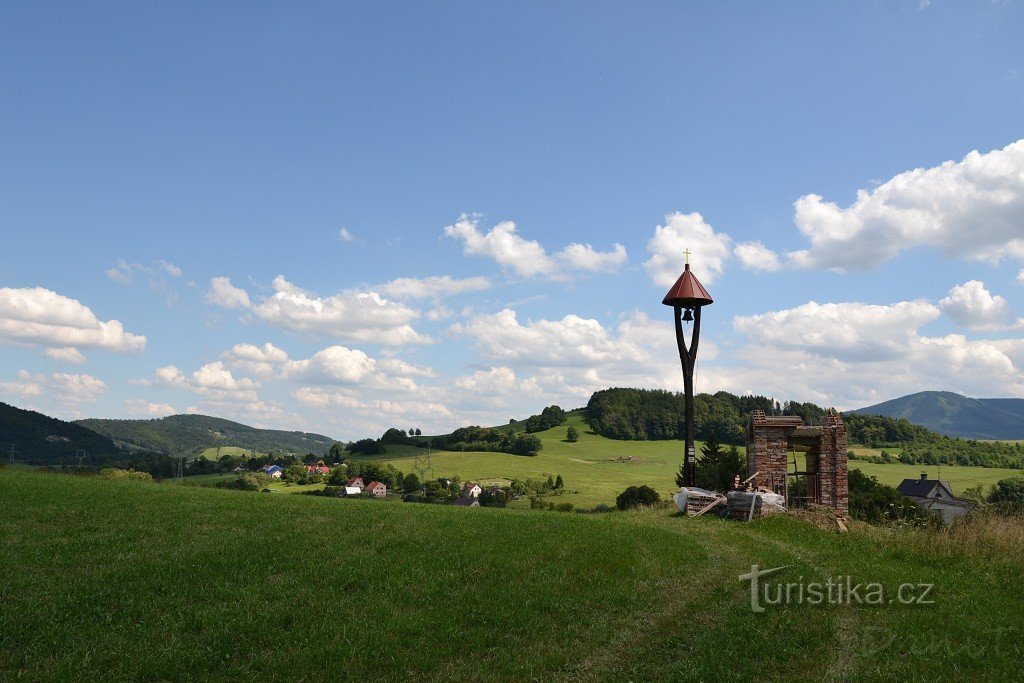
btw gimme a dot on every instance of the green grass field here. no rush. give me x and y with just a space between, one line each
215 452
597 469
116 580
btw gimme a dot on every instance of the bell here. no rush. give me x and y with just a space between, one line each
688 315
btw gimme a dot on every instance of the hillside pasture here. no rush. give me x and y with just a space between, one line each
128 580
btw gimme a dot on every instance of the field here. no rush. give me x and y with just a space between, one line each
597 469
131 580
215 452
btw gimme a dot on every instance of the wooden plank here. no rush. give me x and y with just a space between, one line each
709 506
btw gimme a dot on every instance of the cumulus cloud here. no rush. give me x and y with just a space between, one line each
345 236
528 258
37 316
24 386
568 359
848 331
974 307
499 381
224 294
332 365
434 287
213 380
66 354
139 407
852 354
709 250
585 257
972 209
352 315
755 256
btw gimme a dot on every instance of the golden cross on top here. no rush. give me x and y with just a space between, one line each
687 253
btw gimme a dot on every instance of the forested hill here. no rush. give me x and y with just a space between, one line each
955 415
642 414
187 433
38 438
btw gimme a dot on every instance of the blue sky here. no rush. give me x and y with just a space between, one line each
162 166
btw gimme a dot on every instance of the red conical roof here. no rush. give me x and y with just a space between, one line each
687 292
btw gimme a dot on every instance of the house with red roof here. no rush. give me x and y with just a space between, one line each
356 482
377 489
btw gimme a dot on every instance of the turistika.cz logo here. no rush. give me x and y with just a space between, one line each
835 592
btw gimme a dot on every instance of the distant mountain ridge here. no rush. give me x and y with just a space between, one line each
180 434
38 438
956 415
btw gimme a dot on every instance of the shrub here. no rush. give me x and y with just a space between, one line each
115 473
493 498
367 447
637 496
572 435
876 503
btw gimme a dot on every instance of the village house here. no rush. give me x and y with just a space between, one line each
356 482
274 471
377 489
466 501
319 468
471 489
935 495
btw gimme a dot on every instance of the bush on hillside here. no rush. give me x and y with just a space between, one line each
572 435
116 473
637 496
876 503
552 416
366 447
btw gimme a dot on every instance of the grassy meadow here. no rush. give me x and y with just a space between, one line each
113 579
597 469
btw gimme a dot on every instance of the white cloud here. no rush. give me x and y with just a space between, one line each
709 250
169 268
224 294
439 313
65 355
72 390
213 381
1020 277
852 354
848 331
117 275
585 257
348 316
139 407
499 381
755 256
974 307
345 236
434 287
503 244
45 318
263 361
570 358
23 387
972 209
528 258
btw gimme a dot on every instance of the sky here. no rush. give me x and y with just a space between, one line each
341 217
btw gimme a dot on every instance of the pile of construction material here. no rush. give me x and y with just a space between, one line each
745 501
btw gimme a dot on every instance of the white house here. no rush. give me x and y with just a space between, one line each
471 489
935 495
274 471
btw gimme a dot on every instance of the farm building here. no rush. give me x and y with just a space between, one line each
352 490
935 495
274 471
471 489
466 501
377 489
357 482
